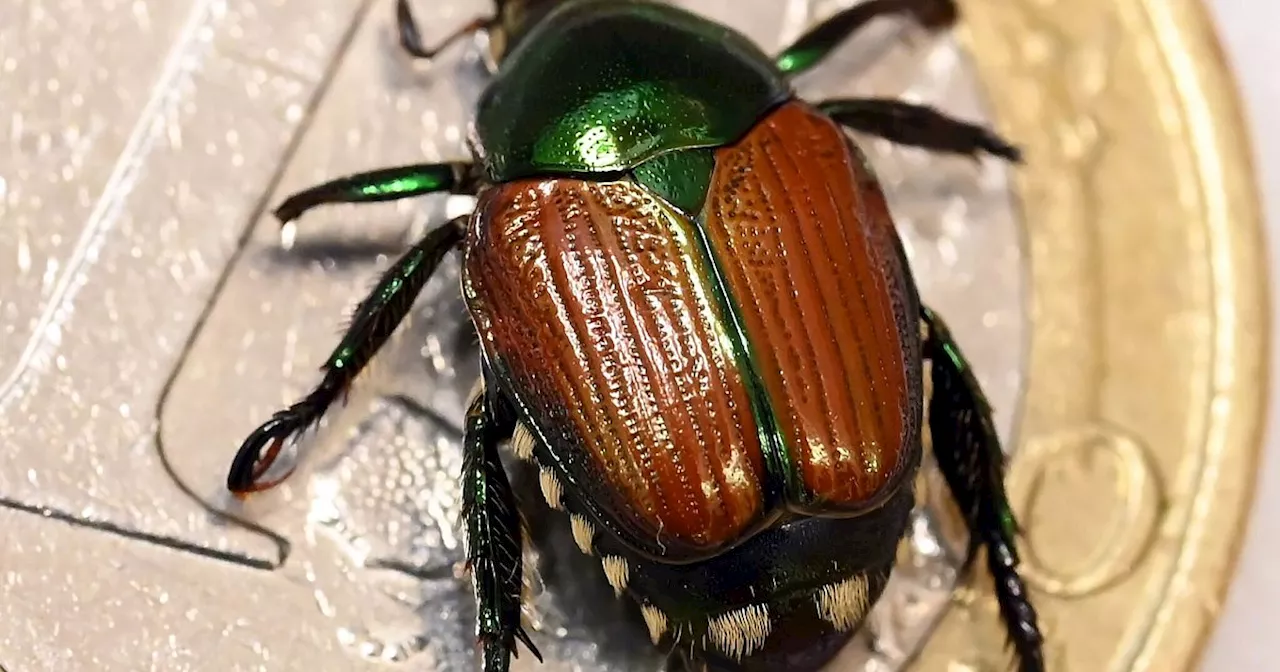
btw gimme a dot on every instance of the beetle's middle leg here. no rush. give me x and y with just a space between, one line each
374 321
968 452
494 529
815 45
918 126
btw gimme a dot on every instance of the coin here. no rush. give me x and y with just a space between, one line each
1109 293
1143 412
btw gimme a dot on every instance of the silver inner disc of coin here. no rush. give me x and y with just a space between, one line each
372 517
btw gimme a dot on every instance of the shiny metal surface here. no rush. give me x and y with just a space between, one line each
151 319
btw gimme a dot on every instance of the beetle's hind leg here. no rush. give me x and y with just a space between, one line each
917 126
494 529
818 43
374 321
968 452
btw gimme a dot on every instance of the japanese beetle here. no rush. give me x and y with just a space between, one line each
697 319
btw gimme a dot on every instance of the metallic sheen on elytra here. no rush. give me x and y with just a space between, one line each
523 250
804 281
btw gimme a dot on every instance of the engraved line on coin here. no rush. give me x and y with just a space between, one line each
283 545
172 543
179 64
1069 161
1130 530
415 407
361 547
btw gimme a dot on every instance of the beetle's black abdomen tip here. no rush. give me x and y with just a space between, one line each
800 644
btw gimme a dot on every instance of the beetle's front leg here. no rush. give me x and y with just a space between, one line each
494 530
384 184
968 451
815 45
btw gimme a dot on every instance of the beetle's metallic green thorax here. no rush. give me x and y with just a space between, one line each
681 178
601 86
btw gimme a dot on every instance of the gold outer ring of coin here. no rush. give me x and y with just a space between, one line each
1140 431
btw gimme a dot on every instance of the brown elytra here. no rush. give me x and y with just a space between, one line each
598 307
590 296
808 247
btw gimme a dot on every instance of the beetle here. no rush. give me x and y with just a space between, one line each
697 319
